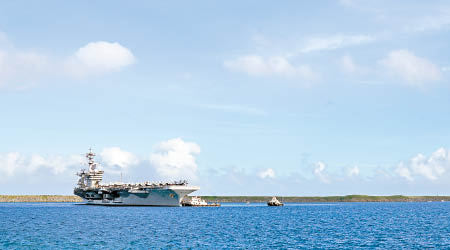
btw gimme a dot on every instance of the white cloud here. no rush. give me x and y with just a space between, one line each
60 164
319 172
21 68
114 156
414 70
403 171
430 168
13 164
335 42
256 65
267 173
10 162
354 171
175 159
99 57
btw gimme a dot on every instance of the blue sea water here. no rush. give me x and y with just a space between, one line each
232 226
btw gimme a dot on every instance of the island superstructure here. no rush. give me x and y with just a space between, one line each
91 189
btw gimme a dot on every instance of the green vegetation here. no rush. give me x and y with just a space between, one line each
225 199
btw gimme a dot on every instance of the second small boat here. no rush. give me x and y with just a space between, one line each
274 202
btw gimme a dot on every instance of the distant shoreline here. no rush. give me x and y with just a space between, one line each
39 198
243 199
345 198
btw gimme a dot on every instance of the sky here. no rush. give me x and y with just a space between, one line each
239 97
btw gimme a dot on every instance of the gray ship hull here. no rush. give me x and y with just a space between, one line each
170 196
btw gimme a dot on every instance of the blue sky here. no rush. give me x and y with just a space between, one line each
242 98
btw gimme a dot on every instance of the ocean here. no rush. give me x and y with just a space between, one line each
232 226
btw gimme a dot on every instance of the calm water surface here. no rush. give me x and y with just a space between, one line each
232 226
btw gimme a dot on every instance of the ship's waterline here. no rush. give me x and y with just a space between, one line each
93 192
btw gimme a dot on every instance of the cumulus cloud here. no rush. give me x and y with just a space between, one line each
319 172
430 168
14 163
335 42
99 57
114 156
21 68
267 173
256 65
354 171
403 171
414 70
10 162
175 159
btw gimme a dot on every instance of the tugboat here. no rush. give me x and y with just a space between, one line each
195 201
274 202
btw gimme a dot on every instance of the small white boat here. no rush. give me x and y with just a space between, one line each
195 201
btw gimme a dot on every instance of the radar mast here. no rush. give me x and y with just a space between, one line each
91 163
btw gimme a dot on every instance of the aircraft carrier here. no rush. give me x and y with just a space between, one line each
93 192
